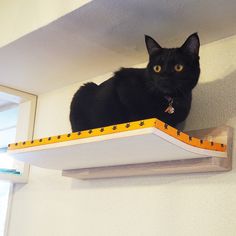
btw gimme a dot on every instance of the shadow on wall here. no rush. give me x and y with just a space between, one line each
213 103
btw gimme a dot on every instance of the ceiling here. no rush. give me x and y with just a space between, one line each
20 17
107 34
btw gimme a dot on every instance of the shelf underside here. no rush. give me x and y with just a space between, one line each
207 164
197 165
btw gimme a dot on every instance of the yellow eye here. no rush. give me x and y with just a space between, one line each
179 67
157 68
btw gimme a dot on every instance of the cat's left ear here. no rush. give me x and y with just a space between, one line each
152 45
192 44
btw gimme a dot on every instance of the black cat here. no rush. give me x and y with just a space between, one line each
163 90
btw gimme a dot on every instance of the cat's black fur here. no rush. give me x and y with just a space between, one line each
136 94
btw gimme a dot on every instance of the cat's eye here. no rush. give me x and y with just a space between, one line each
157 68
179 67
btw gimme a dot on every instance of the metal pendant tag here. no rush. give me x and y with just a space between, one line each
170 109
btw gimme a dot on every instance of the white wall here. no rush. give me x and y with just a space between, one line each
195 204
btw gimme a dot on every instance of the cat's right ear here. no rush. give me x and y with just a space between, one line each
192 44
152 45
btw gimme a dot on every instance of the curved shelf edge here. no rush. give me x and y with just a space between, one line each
136 125
147 147
222 134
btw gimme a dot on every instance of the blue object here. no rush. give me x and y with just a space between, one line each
9 171
3 149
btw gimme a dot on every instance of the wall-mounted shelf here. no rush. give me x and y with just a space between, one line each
138 148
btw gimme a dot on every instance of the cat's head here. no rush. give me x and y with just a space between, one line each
173 71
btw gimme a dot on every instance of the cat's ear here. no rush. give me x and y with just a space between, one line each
192 44
152 45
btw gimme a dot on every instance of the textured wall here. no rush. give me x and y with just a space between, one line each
195 204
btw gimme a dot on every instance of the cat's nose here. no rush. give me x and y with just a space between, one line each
166 74
164 77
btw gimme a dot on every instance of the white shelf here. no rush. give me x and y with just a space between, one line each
132 149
